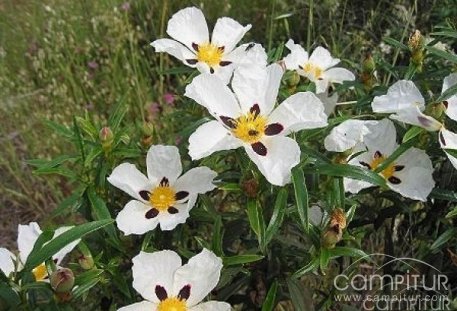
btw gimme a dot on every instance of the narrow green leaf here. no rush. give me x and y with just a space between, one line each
301 196
9 296
38 256
442 54
216 244
277 217
324 259
445 33
396 43
269 303
412 132
300 296
241 259
443 194
346 251
346 170
312 265
447 94
256 221
443 239
451 152
452 213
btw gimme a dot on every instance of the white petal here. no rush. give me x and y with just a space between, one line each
338 75
169 221
163 161
414 116
209 138
132 220
321 57
297 56
401 95
188 26
212 306
66 249
175 49
212 93
382 137
321 84
202 273
283 154
130 180
196 180
416 178
224 73
300 111
140 306
328 101
228 32
6 261
248 54
27 236
154 269
347 135
354 185
448 140
451 110
257 85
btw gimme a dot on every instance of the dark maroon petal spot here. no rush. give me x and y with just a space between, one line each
446 104
144 194
152 213
172 210
221 49
230 122
164 182
394 180
301 67
161 293
377 154
224 63
424 121
259 148
180 195
211 70
255 110
184 293
368 166
192 61
398 168
273 129
250 46
195 46
441 136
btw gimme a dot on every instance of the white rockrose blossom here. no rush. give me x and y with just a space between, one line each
192 44
163 197
27 236
410 174
166 284
247 118
318 68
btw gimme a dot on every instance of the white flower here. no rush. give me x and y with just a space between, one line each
405 101
247 118
163 197
166 284
451 106
194 48
27 236
330 101
410 174
317 67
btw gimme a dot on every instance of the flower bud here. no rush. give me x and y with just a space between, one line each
106 138
62 280
331 236
435 110
86 262
250 187
416 41
368 64
148 128
338 218
293 79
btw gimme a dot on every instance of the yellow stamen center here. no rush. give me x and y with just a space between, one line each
250 128
40 272
162 197
172 304
209 54
388 171
313 71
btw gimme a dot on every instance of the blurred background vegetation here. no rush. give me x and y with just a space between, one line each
60 59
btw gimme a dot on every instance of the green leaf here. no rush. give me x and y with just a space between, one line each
447 94
300 296
38 256
241 259
412 132
452 213
301 196
277 217
269 303
442 54
10 296
346 170
216 244
256 221
312 265
445 33
443 194
324 259
396 43
443 239
346 251
101 212
451 152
